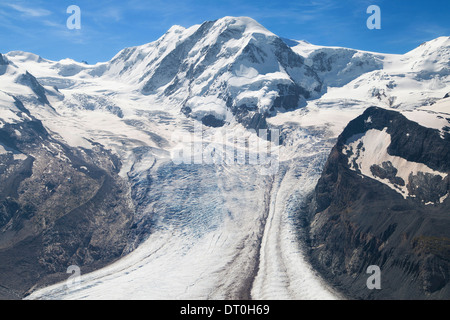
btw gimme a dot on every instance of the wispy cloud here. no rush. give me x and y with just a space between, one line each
114 13
28 11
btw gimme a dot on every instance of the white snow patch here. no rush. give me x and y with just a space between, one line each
429 119
20 156
372 150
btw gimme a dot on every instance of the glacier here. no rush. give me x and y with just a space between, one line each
218 230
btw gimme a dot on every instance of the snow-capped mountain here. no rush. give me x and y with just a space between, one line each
416 78
338 66
215 225
220 69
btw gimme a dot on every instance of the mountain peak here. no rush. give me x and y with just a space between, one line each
22 56
246 24
255 72
428 47
176 29
439 41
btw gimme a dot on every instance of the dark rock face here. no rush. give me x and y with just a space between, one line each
29 80
290 97
3 64
355 221
59 206
3 61
387 171
212 121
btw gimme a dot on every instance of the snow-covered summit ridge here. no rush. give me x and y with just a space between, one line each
430 57
235 70
219 68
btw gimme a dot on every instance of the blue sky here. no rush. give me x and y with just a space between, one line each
107 26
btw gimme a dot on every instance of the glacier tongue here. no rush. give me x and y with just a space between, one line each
215 232
283 272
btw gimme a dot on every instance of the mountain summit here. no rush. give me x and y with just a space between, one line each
220 69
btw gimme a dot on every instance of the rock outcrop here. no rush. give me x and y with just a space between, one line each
360 214
59 206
